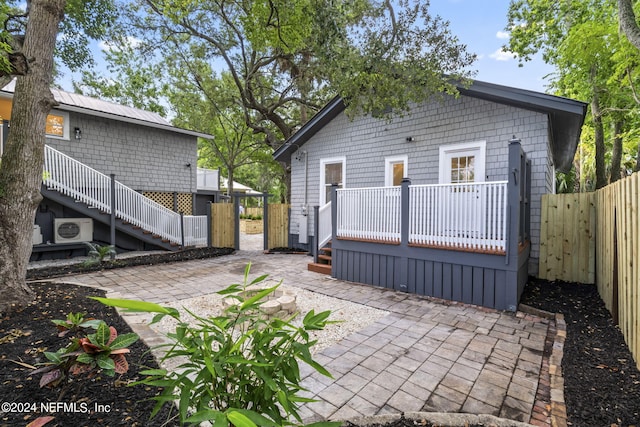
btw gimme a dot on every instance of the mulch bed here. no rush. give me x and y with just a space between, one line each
25 334
184 255
601 381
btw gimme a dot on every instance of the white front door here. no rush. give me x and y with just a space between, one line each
332 171
462 206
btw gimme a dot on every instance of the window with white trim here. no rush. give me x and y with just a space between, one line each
332 171
395 169
460 163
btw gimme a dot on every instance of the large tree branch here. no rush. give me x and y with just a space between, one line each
627 20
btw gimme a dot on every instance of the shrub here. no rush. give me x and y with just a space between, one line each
87 353
239 368
97 253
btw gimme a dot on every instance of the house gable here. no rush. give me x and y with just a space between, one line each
565 118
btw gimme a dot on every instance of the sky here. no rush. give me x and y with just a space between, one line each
480 25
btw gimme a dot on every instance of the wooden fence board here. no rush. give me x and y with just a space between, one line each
222 225
567 243
278 234
594 238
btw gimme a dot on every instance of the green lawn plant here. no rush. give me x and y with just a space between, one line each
240 368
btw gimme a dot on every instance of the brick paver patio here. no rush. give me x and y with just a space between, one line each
423 356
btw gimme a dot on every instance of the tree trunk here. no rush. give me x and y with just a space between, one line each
616 154
601 173
627 20
21 168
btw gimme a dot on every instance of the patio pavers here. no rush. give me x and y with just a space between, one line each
424 355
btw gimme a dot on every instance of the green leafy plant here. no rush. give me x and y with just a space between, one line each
97 253
87 353
239 368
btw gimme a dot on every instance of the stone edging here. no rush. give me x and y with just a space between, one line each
440 419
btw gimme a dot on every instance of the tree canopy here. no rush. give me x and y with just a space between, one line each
286 59
593 62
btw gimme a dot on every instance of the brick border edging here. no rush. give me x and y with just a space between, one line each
550 401
558 406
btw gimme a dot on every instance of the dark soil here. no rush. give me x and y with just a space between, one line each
184 255
601 381
27 333
287 251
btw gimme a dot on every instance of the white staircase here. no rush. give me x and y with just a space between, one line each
84 184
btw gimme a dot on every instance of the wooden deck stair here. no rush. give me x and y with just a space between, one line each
323 265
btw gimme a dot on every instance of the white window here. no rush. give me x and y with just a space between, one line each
57 126
331 171
461 163
395 169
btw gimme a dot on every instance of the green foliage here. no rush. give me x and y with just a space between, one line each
87 353
594 63
277 62
239 368
250 217
83 20
97 253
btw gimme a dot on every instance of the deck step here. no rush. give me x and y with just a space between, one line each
319 268
326 258
326 249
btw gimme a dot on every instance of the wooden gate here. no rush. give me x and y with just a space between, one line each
278 226
222 225
567 237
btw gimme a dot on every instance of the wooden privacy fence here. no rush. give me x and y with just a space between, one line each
618 255
278 226
222 225
567 237
593 238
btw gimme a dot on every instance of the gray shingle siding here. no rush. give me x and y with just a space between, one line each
366 142
143 158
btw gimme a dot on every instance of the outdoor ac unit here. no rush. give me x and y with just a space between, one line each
73 230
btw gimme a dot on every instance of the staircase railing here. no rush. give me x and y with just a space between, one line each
85 184
324 225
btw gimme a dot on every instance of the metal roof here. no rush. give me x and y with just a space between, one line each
566 117
96 107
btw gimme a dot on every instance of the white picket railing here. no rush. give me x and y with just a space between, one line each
324 225
75 179
465 216
195 230
468 216
369 214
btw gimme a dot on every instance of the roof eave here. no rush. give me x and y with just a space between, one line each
317 122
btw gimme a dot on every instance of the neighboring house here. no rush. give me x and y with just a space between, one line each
238 188
145 152
456 154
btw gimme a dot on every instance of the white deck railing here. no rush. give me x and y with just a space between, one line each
208 179
461 216
369 214
75 179
465 216
324 225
